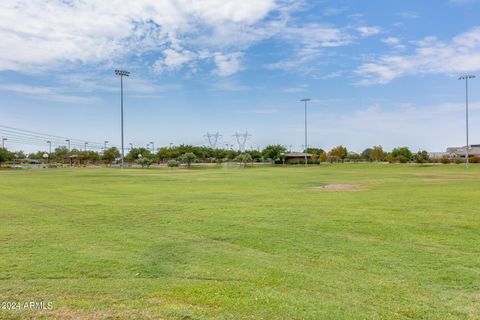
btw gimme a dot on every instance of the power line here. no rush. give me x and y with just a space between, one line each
29 137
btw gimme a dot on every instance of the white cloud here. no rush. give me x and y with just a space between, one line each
332 11
309 43
408 14
44 93
227 64
391 40
45 34
297 89
366 31
431 56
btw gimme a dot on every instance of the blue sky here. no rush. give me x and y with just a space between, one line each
378 72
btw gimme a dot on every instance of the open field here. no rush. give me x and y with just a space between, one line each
384 242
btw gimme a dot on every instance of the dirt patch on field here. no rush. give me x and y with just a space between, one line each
338 187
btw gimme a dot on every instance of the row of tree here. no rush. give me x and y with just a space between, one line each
189 154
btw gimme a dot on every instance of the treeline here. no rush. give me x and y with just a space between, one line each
188 154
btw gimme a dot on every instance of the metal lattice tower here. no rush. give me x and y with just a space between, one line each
242 139
213 139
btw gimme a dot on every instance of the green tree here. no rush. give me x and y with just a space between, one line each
132 155
60 154
6 155
353 156
377 154
188 158
366 154
36 155
275 153
402 154
110 155
20 154
244 159
338 154
421 157
144 162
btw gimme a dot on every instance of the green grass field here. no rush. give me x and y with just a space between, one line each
231 243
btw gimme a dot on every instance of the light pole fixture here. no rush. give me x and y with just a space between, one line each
153 146
171 144
3 142
86 146
466 78
105 145
131 146
306 144
122 73
68 141
49 147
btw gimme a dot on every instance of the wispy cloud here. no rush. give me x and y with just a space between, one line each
431 56
367 31
44 93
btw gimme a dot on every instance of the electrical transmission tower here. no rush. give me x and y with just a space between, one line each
242 139
213 139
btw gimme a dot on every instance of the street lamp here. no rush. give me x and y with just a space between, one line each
3 142
68 141
466 78
122 73
306 145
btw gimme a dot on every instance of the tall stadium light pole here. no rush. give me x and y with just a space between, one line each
306 145
3 142
86 146
68 141
171 144
466 78
153 146
49 147
122 73
105 144
131 146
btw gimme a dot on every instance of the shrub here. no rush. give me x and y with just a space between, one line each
293 162
474 159
172 163
144 162
243 159
445 160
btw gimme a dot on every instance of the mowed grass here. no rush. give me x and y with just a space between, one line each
231 243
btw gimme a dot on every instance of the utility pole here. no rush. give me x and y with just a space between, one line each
466 78
122 73
306 144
